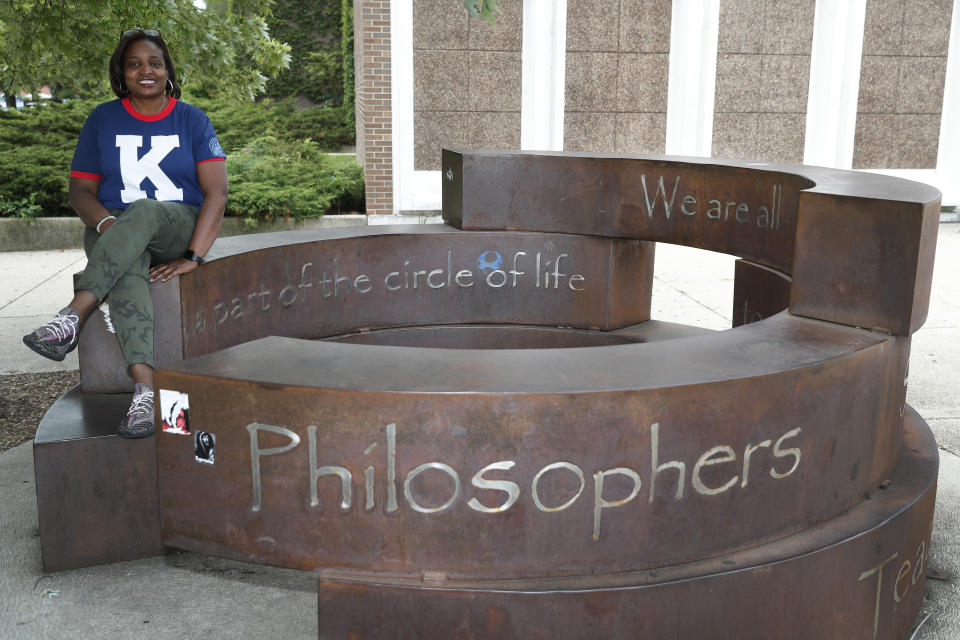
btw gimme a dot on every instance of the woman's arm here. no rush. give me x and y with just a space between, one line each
83 199
213 182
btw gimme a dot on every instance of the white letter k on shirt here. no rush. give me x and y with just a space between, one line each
135 171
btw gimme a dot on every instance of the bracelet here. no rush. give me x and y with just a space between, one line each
104 219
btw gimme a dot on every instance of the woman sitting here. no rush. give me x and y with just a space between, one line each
149 181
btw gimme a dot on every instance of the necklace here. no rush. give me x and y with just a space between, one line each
163 105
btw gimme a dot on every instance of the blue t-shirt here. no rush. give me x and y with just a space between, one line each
135 156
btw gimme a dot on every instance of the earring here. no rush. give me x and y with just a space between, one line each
170 82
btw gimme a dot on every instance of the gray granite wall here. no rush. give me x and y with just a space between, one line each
616 75
902 77
466 79
763 71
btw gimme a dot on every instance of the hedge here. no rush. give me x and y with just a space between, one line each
274 177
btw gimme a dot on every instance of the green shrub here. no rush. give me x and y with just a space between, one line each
330 127
237 123
24 208
36 147
274 177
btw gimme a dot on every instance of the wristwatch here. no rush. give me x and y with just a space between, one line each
193 255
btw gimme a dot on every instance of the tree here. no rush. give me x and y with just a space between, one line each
67 43
312 29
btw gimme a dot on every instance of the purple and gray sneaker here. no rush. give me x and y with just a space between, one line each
138 422
56 338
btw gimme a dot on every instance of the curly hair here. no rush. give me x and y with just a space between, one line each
116 64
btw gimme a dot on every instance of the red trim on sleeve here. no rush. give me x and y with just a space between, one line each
84 175
211 160
171 103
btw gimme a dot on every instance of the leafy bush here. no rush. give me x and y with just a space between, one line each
237 123
272 177
36 147
24 208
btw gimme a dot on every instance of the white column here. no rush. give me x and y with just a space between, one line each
834 82
401 88
694 30
544 74
948 156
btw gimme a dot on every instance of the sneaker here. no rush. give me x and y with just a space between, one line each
139 420
58 337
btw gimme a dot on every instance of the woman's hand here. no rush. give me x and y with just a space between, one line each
213 183
175 267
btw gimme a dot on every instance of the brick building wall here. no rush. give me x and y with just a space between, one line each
373 101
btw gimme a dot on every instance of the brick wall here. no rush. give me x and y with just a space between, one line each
373 106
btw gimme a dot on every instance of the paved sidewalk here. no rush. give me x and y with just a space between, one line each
33 286
187 595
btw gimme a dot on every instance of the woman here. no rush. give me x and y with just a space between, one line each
149 182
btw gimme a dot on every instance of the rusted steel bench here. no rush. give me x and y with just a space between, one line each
280 285
627 476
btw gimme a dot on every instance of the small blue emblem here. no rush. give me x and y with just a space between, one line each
215 148
489 261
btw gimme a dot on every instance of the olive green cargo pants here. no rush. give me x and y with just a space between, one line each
118 263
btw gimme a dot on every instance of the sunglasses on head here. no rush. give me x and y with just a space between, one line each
153 33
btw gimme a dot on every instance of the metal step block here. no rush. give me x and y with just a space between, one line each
96 492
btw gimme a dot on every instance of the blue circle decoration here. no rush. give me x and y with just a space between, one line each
489 261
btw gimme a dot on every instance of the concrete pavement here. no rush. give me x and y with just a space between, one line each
186 595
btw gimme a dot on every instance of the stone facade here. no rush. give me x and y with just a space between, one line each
901 83
763 66
463 82
616 75
466 90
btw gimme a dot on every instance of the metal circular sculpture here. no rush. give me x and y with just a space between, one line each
627 478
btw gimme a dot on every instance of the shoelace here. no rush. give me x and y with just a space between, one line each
142 403
63 326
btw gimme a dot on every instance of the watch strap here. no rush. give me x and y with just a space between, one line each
193 255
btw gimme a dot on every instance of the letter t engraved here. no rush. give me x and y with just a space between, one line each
879 571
